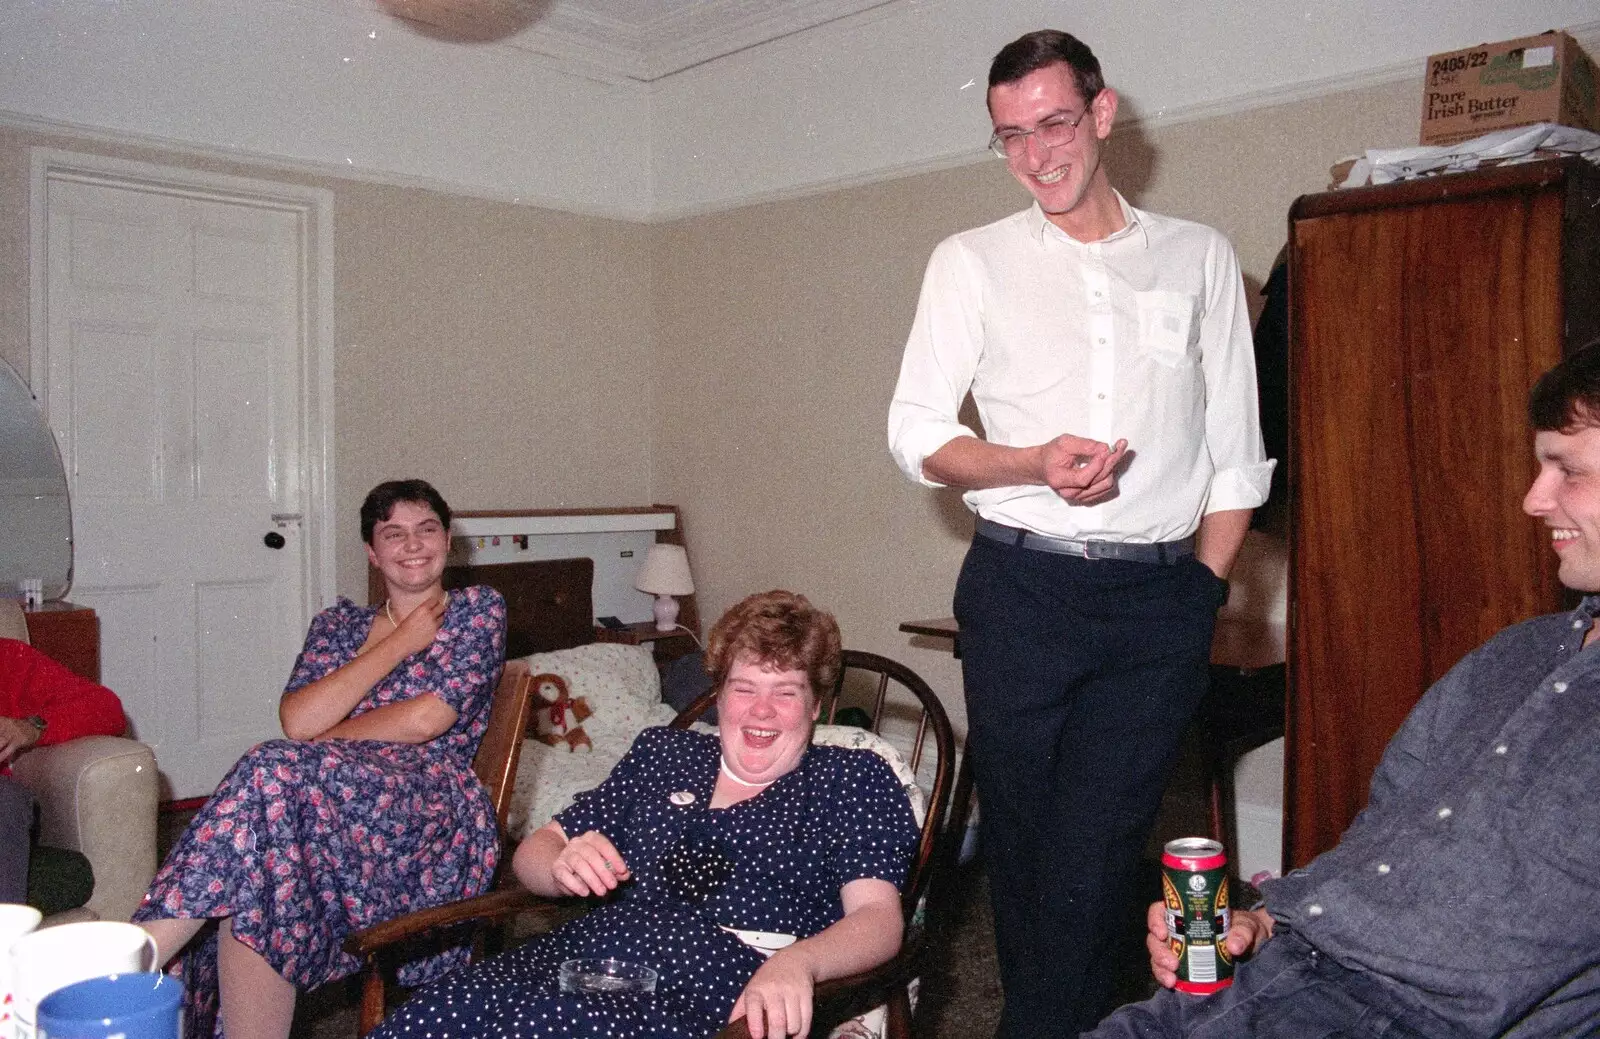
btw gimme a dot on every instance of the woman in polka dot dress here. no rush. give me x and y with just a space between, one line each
370 809
716 850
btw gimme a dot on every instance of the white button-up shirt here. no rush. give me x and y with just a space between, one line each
1143 336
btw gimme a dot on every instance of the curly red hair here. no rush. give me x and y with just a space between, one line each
780 630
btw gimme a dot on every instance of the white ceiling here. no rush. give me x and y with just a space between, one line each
572 105
641 40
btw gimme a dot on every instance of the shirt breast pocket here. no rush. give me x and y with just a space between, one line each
1167 324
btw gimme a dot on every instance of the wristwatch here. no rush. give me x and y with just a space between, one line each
38 722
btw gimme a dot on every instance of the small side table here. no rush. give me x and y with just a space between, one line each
667 646
67 633
937 628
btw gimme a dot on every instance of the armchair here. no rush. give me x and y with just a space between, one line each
97 796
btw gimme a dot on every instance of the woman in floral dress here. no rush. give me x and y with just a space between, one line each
368 810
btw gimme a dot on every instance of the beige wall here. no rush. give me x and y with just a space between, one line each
501 352
738 364
780 329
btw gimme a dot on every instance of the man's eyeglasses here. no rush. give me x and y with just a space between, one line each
1052 133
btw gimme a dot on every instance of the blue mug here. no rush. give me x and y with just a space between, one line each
132 1006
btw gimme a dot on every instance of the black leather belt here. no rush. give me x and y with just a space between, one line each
1164 552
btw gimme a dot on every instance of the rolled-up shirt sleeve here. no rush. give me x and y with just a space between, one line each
1242 473
940 358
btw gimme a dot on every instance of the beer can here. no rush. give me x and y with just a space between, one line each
1194 888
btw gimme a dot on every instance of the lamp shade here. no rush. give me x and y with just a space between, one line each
665 571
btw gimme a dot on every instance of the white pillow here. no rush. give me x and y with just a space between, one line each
623 688
620 684
862 739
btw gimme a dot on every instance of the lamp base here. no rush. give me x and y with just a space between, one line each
666 611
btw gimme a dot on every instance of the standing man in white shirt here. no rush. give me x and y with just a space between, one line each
1108 351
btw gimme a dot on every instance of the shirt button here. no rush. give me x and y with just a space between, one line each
1500 749
1313 910
1577 624
1559 687
1445 813
1102 340
1383 867
1101 396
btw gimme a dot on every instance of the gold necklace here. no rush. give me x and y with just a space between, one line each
389 613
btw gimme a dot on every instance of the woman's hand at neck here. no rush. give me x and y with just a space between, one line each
416 617
313 710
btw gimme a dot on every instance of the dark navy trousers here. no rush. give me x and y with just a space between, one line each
16 823
1080 676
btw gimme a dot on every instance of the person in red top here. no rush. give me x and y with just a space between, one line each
41 703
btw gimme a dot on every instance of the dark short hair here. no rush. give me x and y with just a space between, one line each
381 500
1567 397
1041 49
779 630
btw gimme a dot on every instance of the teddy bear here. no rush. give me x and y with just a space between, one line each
558 718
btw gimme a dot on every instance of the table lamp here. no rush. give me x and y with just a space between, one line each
665 573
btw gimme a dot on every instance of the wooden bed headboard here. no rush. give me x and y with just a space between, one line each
549 604
548 601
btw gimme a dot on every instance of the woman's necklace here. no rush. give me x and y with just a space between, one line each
743 782
389 613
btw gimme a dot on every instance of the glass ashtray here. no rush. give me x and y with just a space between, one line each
613 976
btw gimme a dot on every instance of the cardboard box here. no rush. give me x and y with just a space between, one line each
1494 86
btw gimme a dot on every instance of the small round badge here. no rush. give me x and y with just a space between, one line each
681 798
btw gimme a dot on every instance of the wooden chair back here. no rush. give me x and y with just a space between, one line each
501 747
499 752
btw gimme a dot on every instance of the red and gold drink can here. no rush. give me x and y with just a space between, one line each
1194 887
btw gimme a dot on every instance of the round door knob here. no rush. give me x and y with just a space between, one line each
273 540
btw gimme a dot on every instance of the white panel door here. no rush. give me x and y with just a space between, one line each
175 358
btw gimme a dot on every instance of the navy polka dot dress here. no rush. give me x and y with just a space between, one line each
774 862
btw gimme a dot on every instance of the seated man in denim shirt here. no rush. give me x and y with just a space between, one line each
1462 901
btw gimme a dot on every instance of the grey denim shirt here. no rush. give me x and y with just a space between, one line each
1471 881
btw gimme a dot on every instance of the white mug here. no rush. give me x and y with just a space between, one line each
54 957
15 921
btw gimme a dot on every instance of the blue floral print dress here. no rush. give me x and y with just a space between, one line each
773 863
304 843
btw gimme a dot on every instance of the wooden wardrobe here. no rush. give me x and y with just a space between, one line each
1421 313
